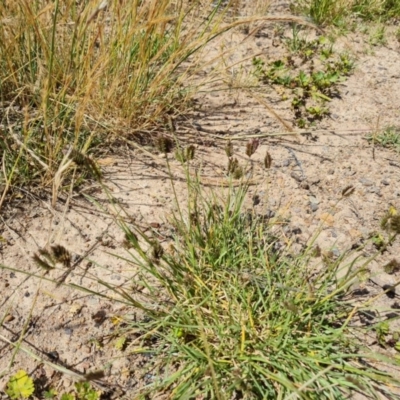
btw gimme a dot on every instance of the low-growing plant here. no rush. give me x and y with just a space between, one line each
322 12
22 386
388 137
311 84
331 12
378 36
376 10
232 312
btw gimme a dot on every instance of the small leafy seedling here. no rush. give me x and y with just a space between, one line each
20 386
312 83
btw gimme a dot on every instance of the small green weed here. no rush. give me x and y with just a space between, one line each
322 12
397 34
378 36
21 386
310 83
389 137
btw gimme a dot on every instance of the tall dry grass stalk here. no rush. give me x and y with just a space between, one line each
74 73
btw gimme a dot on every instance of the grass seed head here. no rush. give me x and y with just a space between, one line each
229 149
61 255
392 267
42 264
234 168
190 151
82 160
233 163
164 144
185 155
252 146
316 251
267 160
157 252
130 240
238 173
193 217
391 222
348 191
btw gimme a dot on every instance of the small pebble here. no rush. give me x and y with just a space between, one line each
313 199
296 177
335 251
269 214
314 207
366 182
68 331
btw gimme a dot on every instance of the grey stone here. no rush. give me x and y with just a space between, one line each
366 182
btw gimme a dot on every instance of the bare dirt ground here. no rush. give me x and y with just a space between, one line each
69 328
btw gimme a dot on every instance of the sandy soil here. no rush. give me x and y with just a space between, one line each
69 328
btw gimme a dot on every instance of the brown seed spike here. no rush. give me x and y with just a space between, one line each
78 158
164 144
316 251
190 150
348 191
238 172
171 125
38 261
229 149
62 255
251 147
95 375
157 251
232 165
267 160
49 258
82 160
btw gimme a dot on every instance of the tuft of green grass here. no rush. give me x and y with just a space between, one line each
371 10
322 12
332 12
388 137
233 313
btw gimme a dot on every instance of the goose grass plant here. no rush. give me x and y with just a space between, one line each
231 312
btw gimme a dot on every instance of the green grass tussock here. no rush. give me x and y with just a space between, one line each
235 315
327 12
